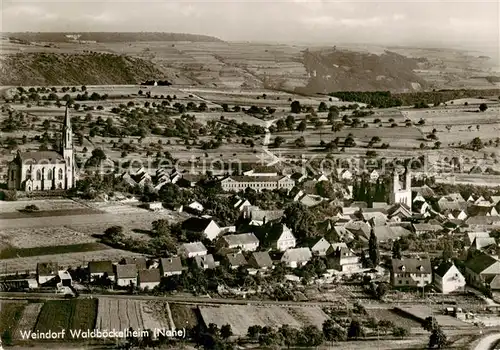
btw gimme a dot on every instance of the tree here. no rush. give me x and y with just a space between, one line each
226 331
254 331
299 219
447 253
437 338
302 126
278 141
381 290
290 122
385 325
373 249
161 227
300 142
332 332
396 249
400 332
354 331
483 107
295 107
430 323
477 144
322 107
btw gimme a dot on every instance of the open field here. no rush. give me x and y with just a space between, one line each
21 265
29 318
309 315
389 315
125 313
240 317
183 315
67 314
42 204
43 237
10 253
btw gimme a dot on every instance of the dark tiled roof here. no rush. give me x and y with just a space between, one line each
262 259
150 275
41 157
101 267
195 224
140 262
236 259
480 262
171 264
411 265
126 271
443 268
240 239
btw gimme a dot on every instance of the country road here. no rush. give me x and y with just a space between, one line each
488 342
170 298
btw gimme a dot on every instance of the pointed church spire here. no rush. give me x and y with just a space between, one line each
67 119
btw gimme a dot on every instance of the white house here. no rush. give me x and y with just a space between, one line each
155 206
374 175
46 271
190 250
197 206
148 278
345 260
344 174
126 275
321 247
281 238
171 266
296 257
447 278
98 269
206 226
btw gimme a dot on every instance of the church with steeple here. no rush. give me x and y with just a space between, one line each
45 170
401 188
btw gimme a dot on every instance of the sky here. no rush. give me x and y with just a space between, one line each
442 23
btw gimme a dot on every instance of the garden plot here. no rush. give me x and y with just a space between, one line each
28 318
124 313
240 317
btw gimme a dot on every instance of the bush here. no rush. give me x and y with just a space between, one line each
31 208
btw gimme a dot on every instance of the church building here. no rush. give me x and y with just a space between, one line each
401 190
45 170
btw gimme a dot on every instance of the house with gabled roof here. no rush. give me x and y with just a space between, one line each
280 237
344 259
481 243
260 261
46 271
171 266
99 269
206 226
471 236
424 228
243 241
411 272
448 278
235 260
399 211
126 275
190 250
321 247
482 270
482 223
206 262
296 257
149 278
138 261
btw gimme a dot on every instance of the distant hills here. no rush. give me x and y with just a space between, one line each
74 69
109 37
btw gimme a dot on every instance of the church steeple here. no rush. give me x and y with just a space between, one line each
67 149
67 137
